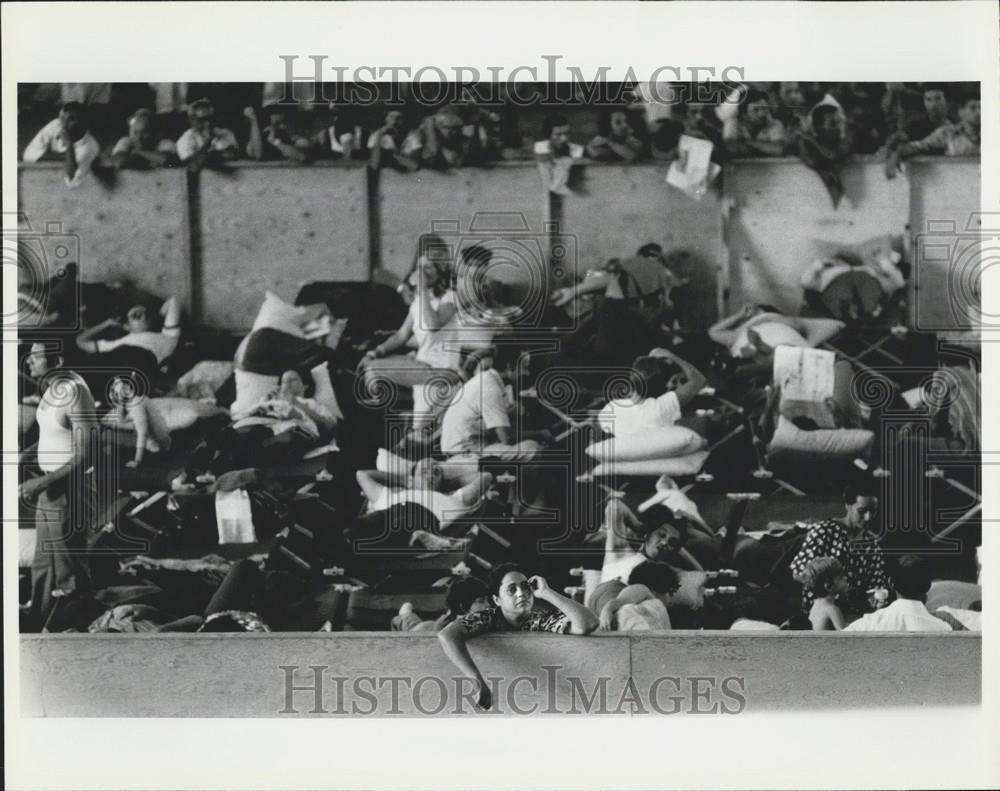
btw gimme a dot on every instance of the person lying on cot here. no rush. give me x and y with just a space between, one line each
147 423
657 534
279 428
513 596
427 486
661 384
753 333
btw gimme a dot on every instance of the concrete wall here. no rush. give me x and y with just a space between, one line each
139 230
274 226
782 218
242 675
945 207
621 208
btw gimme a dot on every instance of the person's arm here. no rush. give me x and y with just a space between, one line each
473 492
695 378
618 518
82 424
591 284
397 340
818 331
453 640
140 419
724 331
371 488
290 151
627 151
581 619
319 414
935 143
39 146
85 342
837 619
632 594
432 319
255 147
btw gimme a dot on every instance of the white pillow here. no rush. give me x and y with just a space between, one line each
251 388
658 443
277 314
821 443
677 465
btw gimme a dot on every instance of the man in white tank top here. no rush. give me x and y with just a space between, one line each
64 492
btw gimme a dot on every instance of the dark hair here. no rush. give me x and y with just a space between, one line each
911 578
497 575
506 356
659 516
200 104
864 487
604 119
753 95
936 86
74 107
650 376
463 592
551 122
821 112
658 577
650 248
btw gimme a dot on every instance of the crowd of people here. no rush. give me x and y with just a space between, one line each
144 126
494 486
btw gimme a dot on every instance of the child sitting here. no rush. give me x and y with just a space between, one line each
827 580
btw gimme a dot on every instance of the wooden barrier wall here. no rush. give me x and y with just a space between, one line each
224 241
65 675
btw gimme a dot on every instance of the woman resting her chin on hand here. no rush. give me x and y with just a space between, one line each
513 596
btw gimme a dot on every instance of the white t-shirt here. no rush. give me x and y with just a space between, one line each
446 507
636 417
481 405
903 615
438 348
161 344
50 139
190 142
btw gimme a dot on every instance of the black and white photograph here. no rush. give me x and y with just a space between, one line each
424 395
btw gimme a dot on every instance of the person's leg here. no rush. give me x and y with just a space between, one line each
60 548
239 590
399 370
